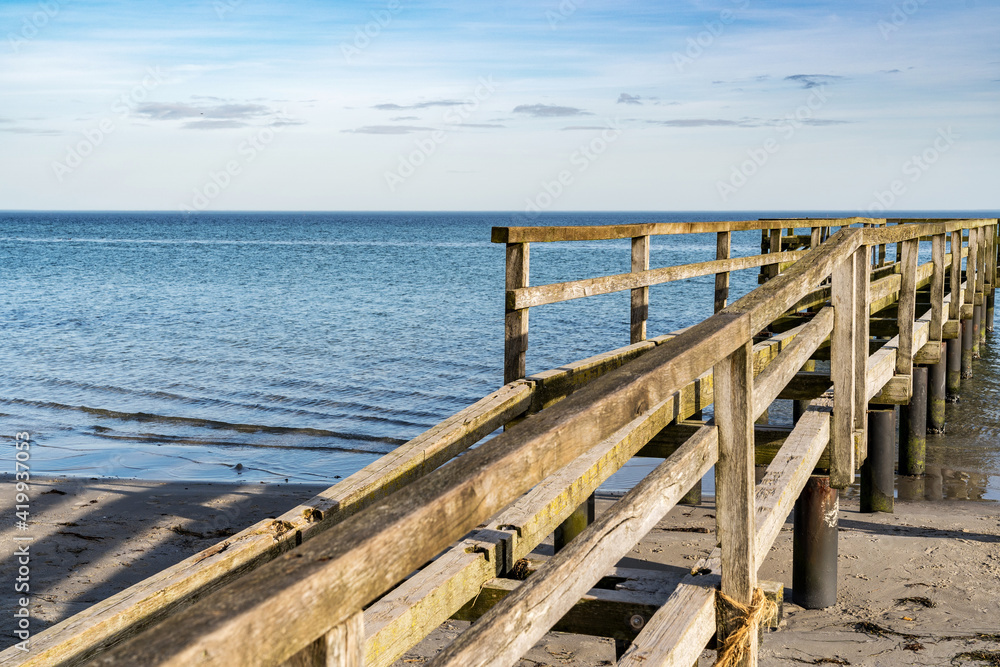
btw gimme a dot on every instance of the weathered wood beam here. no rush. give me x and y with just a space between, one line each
640 295
529 297
84 635
513 626
515 318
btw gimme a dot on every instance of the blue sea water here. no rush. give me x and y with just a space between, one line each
298 346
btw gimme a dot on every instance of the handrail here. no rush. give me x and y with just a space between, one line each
275 611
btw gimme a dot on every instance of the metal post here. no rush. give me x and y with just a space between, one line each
913 426
977 319
966 349
575 523
954 369
990 298
814 545
936 395
878 474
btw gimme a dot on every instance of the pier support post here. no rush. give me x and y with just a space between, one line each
990 298
936 395
954 369
814 546
913 426
878 474
577 522
977 320
966 349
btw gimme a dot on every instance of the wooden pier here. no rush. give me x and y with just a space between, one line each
364 571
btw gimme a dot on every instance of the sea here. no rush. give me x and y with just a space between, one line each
300 347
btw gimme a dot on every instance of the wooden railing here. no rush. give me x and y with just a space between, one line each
258 599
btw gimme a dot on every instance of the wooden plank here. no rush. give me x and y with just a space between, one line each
129 612
262 620
907 307
677 633
515 318
540 295
938 259
513 626
723 248
897 391
734 484
929 354
600 612
640 295
983 241
406 615
608 232
862 285
970 267
779 372
955 306
842 362
554 385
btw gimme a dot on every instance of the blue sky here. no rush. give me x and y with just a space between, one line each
550 105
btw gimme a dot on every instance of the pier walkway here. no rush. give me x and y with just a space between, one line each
846 322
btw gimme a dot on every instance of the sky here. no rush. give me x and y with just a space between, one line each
545 105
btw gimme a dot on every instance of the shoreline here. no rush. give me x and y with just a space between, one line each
95 537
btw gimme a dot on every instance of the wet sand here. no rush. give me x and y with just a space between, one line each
93 538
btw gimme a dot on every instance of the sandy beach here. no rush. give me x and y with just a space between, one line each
916 587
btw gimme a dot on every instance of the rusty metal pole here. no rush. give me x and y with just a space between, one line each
954 369
814 545
913 426
878 473
936 395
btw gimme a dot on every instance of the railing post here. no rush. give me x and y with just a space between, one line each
640 295
342 646
515 321
955 307
907 307
862 294
734 483
982 284
991 274
842 353
723 245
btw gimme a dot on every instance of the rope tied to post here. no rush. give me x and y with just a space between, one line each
738 642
